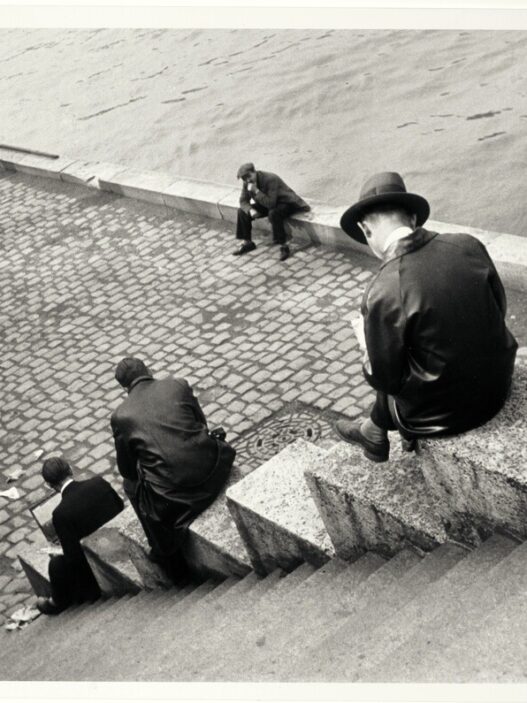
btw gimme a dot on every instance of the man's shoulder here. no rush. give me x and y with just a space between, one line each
93 483
120 410
96 482
461 240
172 382
270 176
84 496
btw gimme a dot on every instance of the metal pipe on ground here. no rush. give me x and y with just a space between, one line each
34 152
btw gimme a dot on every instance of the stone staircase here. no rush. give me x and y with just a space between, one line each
318 565
436 617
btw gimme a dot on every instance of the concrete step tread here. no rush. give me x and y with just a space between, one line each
197 625
199 605
417 658
496 651
375 644
219 637
417 616
285 642
385 574
28 660
58 623
281 638
90 631
247 630
126 632
20 643
329 660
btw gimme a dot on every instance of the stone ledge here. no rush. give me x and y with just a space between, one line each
117 553
480 477
35 563
321 226
213 547
34 165
275 514
146 186
380 507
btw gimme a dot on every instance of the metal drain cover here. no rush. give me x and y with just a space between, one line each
266 439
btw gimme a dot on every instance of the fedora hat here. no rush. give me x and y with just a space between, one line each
380 189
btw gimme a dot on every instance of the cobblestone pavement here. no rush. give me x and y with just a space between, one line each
88 277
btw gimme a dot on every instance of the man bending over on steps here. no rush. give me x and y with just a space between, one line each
173 467
85 506
264 194
439 353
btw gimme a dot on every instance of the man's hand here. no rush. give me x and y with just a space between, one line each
358 327
251 187
253 213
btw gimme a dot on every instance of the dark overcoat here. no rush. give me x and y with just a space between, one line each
85 507
161 427
272 191
436 335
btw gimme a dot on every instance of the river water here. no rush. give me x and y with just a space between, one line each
324 109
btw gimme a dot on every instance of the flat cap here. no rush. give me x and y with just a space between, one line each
245 169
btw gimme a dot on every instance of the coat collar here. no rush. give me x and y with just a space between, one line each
137 380
66 485
417 239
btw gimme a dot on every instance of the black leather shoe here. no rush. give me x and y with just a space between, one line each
284 252
47 606
374 451
244 248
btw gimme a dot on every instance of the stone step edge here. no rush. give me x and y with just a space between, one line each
220 201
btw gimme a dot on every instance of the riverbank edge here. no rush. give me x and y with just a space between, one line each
219 201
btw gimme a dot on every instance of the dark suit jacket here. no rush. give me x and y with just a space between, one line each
85 506
434 319
162 427
272 192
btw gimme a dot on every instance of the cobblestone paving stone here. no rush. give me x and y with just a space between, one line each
88 277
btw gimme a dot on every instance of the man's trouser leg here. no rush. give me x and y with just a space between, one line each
60 581
178 513
380 413
245 223
277 215
383 415
72 581
150 527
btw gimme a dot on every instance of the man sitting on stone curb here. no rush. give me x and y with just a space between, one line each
264 194
85 507
439 353
173 467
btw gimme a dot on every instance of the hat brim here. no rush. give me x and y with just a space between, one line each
410 201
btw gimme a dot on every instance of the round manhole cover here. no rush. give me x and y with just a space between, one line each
272 435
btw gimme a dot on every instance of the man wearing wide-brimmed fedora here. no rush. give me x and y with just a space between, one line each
265 194
438 351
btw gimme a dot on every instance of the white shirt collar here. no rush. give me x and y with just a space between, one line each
66 483
398 233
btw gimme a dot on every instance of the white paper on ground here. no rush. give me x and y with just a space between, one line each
21 617
10 494
51 550
14 475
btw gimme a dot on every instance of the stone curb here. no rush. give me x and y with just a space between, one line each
220 201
